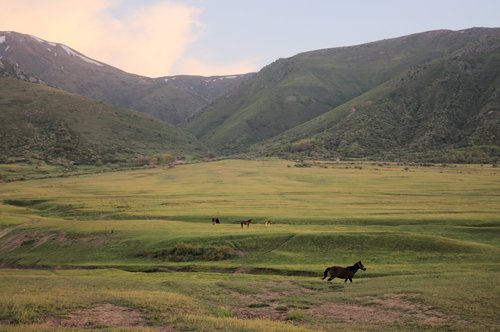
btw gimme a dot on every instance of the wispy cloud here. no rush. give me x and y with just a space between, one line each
148 39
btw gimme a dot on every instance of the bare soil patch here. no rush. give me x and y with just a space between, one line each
387 308
354 313
102 315
269 304
407 304
270 312
33 240
11 242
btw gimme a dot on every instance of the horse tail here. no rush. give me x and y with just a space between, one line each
326 272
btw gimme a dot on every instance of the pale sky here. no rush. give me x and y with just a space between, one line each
219 37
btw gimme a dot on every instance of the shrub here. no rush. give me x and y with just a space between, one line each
186 252
296 315
258 305
302 164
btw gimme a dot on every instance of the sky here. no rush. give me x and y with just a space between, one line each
221 37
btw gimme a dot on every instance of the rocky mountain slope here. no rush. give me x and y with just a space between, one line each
171 99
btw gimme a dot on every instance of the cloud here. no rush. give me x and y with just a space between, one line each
146 40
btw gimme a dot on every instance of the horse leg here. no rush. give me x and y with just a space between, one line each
331 278
346 279
350 279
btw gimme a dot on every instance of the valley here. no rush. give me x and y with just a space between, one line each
141 241
385 152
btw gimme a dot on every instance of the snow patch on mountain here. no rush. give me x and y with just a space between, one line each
2 39
37 39
220 78
73 53
40 40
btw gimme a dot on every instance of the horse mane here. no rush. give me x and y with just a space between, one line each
354 268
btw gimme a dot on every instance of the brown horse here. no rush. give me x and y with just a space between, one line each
268 223
343 272
246 222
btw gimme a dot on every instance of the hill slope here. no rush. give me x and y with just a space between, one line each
171 99
293 91
445 110
44 123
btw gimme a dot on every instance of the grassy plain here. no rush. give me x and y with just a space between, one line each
429 237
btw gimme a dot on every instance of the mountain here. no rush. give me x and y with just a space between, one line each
171 99
174 98
288 93
43 123
429 96
445 110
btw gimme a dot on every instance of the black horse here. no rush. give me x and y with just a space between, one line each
343 272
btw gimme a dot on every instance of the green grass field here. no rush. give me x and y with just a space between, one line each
138 247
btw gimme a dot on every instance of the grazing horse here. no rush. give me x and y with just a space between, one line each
215 221
268 223
343 272
246 222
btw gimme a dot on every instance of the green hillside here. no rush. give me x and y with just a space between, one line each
446 110
167 103
47 124
293 91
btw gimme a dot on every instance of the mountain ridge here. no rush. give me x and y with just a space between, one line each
450 126
427 96
241 121
167 98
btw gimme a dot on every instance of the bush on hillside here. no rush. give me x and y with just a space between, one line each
186 252
159 159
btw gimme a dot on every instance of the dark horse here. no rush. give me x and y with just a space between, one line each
246 222
343 272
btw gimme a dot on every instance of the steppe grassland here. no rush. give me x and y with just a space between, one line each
236 189
428 235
